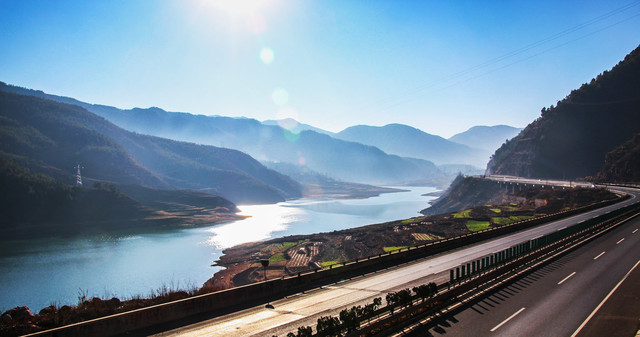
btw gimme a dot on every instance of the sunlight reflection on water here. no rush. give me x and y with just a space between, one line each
131 263
263 222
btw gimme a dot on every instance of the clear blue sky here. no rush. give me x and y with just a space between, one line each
441 66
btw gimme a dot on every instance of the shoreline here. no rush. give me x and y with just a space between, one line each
137 226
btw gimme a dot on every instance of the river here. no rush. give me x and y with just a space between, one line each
38 273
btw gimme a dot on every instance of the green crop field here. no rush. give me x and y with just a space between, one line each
462 214
393 249
507 220
328 263
287 245
276 258
475 226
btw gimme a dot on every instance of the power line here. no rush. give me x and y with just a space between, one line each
542 52
410 95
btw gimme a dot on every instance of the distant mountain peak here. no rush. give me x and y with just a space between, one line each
405 140
488 138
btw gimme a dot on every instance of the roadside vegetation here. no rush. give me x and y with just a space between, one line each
350 319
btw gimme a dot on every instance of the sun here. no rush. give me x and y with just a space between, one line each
238 7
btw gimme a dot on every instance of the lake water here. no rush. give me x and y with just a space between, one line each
41 272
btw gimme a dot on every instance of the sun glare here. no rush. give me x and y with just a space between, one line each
238 7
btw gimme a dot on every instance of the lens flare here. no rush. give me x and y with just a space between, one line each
291 136
288 124
267 55
286 117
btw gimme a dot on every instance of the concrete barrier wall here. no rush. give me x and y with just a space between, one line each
245 295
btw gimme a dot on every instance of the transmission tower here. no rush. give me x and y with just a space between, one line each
78 176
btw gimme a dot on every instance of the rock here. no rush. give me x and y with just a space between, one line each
20 314
6 319
50 310
47 316
114 302
65 310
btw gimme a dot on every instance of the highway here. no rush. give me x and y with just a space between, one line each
557 299
305 308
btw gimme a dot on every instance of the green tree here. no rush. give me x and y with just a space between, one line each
328 326
392 301
405 298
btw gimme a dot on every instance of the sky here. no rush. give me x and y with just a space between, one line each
440 66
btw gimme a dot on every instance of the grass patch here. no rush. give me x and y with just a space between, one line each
393 249
475 226
408 221
287 245
511 219
277 258
495 210
327 264
462 214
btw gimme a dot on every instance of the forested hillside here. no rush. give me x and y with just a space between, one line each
571 139
53 138
622 165
28 199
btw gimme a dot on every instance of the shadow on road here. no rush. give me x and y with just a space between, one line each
443 323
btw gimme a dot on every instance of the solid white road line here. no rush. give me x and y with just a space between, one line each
595 258
634 231
605 299
506 320
620 241
566 278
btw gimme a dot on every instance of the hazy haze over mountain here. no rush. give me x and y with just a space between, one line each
404 140
294 125
343 160
487 138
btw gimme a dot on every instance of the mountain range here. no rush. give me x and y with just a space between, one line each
52 138
408 141
291 142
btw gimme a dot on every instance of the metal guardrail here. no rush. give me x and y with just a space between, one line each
494 267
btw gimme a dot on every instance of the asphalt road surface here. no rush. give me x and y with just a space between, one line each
557 299
304 309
